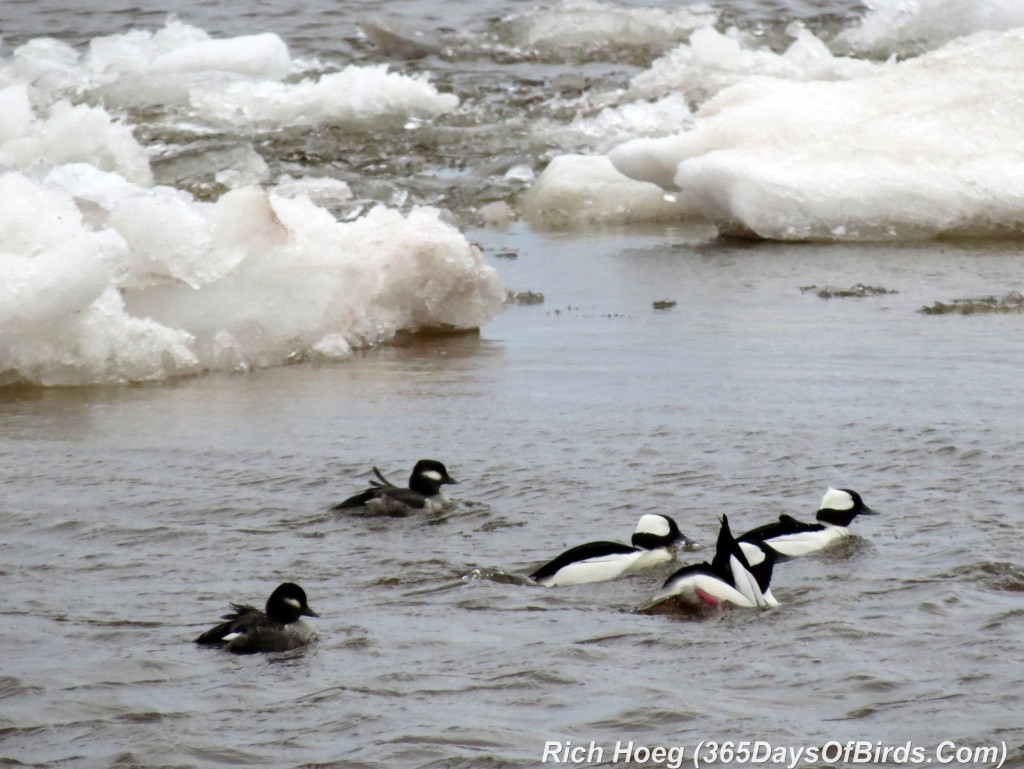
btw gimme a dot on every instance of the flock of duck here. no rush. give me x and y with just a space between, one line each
738 575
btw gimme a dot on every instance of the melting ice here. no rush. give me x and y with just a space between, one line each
587 23
243 82
808 144
106 277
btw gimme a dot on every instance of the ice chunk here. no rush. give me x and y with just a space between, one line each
103 280
920 148
575 189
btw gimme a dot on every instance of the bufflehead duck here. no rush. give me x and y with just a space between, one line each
653 542
385 498
795 538
249 630
728 579
761 559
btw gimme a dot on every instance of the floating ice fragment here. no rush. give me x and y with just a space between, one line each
520 173
586 23
333 346
496 214
322 190
104 281
907 28
263 55
575 189
241 82
920 148
353 94
68 134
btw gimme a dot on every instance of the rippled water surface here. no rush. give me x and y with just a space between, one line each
131 516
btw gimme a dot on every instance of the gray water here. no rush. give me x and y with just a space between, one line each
131 516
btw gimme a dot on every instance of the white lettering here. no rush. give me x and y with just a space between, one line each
940 756
551 748
623 752
674 759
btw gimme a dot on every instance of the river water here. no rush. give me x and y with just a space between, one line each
665 369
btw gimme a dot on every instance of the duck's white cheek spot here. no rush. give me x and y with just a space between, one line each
432 475
293 602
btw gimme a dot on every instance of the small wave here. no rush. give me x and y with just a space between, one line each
486 761
219 756
994 575
637 720
496 575
11 686
538 679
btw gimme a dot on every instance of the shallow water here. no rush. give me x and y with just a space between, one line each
133 515
130 516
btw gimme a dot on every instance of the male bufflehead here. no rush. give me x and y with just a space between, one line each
728 579
795 538
761 559
385 498
278 629
653 542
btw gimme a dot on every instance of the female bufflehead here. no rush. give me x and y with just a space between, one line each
728 579
385 498
795 538
653 542
279 629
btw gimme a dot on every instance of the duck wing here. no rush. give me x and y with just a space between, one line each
384 482
359 499
786 524
241 616
586 552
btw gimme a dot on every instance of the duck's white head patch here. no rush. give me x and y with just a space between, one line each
653 524
836 499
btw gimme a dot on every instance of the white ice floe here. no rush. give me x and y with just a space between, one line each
102 280
909 27
921 148
246 82
711 61
612 125
355 94
67 133
588 23
107 277
580 189
812 146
